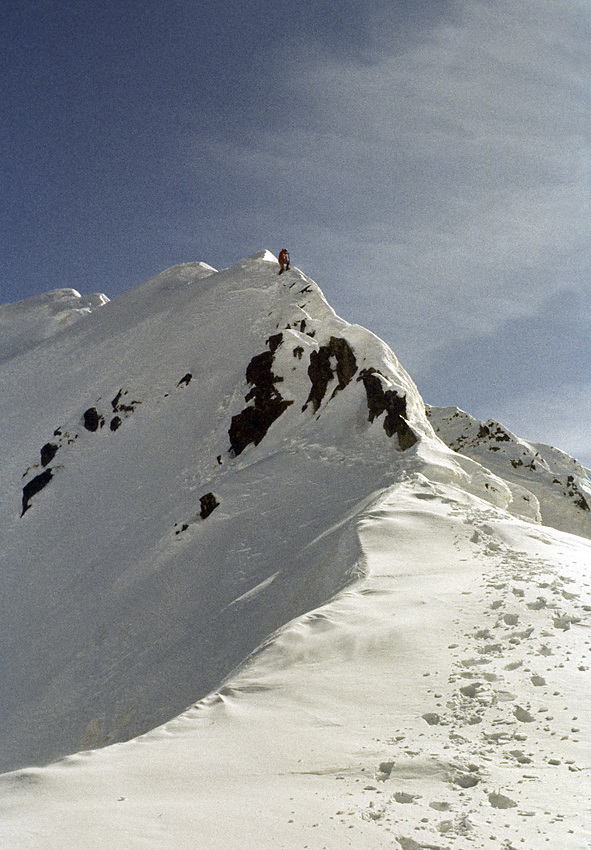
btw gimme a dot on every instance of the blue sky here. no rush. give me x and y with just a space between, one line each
430 170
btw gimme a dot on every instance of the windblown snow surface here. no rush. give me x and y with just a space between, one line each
251 600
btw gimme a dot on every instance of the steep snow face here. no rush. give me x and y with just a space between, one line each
184 470
26 323
561 485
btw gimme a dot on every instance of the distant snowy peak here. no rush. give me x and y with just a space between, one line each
560 483
29 322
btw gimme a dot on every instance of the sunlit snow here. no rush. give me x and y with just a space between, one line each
252 600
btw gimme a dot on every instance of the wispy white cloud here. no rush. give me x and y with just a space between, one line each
438 189
452 167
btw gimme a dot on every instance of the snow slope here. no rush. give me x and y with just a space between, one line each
26 323
249 512
442 701
122 605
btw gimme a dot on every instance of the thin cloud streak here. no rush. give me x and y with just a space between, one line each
561 418
448 182
463 162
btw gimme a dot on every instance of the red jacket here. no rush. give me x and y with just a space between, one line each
283 256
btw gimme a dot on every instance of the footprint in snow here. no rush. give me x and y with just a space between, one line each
499 801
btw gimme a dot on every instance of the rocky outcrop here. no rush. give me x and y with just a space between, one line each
120 406
208 504
574 492
559 482
320 370
93 420
48 452
380 400
333 362
185 380
252 423
35 485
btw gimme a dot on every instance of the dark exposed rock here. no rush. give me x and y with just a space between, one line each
320 374
185 380
34 486
251 425
92 420
298 351
118 405
486 432
320 370
274 342
115 423
575 493
346 362
208 504
116 400
380 400
48 452
260 375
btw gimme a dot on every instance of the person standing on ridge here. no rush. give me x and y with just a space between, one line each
283 260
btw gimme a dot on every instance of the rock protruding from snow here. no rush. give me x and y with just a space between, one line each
389 402
320 370
252 423
188 466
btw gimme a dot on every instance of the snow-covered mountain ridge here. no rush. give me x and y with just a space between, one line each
217 490
559 482
118 430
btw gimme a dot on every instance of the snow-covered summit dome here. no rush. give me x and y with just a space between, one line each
25 323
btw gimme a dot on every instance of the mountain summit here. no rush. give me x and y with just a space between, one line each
217 490
184 465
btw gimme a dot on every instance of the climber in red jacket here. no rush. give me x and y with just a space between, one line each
283 260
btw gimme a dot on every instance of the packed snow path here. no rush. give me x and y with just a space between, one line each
441 702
